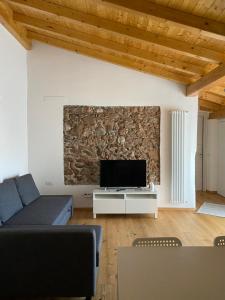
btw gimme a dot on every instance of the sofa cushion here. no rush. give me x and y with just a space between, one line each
10 202
44 211
27 188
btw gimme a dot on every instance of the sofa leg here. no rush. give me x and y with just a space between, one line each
88 298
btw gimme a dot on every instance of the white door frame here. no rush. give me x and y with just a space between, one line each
219 190
205 116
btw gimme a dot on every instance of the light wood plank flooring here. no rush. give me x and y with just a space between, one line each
191 228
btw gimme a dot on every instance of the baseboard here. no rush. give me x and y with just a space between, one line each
159 209
176 208
83 208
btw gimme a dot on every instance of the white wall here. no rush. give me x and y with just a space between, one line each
13 107
79 80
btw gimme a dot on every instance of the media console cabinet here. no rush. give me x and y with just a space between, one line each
125 201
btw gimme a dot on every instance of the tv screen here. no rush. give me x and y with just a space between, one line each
123 173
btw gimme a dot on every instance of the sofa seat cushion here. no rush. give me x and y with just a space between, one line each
27 188
10 202
46 210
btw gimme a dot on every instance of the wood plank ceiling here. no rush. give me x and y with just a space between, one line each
178 40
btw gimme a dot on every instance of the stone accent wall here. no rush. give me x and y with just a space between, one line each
93 133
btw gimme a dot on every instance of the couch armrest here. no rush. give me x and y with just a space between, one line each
47 261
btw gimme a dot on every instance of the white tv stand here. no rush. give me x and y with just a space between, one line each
125 201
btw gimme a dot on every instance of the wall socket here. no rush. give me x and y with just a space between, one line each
87 195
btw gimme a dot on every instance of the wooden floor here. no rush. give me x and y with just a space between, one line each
193 230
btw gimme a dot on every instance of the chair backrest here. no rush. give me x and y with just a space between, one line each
219 241
157 242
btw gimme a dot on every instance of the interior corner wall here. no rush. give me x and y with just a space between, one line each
57 77
13 107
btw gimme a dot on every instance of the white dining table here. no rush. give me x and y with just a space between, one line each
184 273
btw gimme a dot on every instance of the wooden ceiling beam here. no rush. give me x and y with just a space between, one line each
108 44
207 95
208 27
218 89
115 59
218 114
18 31
124 30
209 80
203 108
210 105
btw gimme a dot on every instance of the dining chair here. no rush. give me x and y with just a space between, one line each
219 241
157 242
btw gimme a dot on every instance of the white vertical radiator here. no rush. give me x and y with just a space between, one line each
179 157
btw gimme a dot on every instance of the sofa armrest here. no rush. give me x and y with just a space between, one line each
47 261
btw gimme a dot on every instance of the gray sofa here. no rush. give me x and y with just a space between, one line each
38 259
22 204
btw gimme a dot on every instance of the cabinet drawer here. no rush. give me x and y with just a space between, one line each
138 206
109 206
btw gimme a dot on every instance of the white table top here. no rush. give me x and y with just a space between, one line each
185 273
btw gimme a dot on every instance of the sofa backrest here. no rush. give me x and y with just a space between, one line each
10 202
27 188
48 261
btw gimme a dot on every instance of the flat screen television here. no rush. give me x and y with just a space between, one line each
123 173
